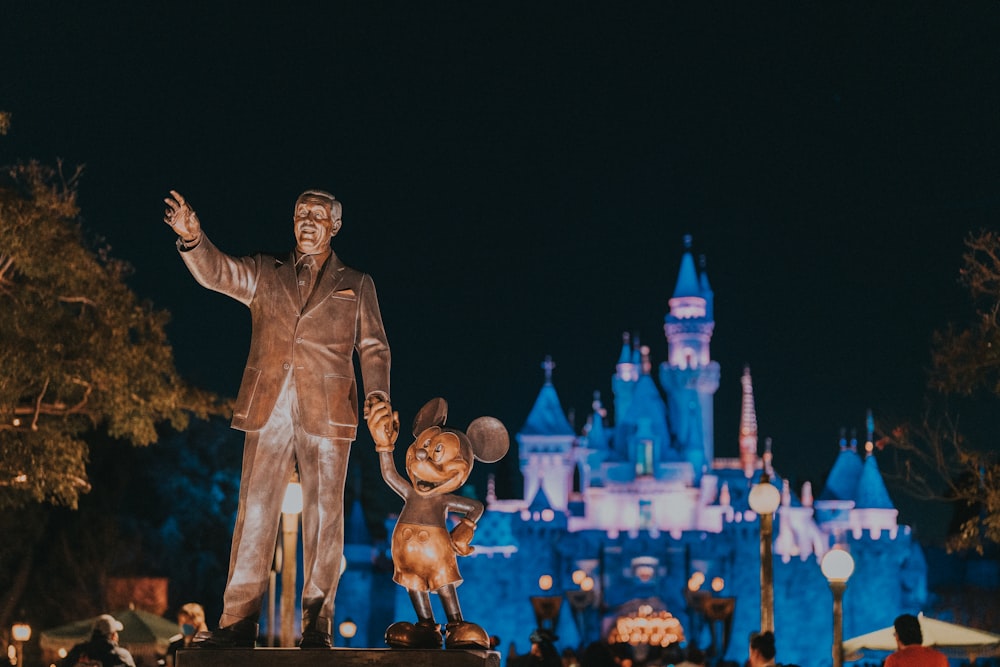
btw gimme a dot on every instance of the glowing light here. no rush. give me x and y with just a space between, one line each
347 628
718 583
837 565
21 632
647 627
578 576
545 582
21 479
61 653
695 581
644 568
17 421
548 515
587 584
764 498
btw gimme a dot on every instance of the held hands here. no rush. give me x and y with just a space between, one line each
182 218
461 536
383 424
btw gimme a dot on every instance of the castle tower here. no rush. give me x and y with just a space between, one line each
748 426
641 434
625 377
689 376
546 447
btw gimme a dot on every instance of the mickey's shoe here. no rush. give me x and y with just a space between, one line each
403 634
466 635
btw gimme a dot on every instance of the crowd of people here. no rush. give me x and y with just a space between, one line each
761 652
102 649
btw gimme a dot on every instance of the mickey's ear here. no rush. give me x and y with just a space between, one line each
434 413
489 439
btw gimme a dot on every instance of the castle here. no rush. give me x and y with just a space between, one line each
637 524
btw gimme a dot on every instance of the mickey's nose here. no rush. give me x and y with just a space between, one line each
421 454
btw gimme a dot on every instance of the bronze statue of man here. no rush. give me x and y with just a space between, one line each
297 403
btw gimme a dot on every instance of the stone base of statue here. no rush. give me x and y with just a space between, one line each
342 657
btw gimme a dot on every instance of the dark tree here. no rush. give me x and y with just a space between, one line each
951 452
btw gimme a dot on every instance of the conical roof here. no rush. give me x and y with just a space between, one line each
546 416
647 406
871 493
597 438
687 278
842 482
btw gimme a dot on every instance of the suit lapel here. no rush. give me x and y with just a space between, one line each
329 280
287 277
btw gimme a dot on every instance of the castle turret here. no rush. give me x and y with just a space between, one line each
641 434
545 444
689 375
625 377
874 510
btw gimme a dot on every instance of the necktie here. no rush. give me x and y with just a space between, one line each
307 276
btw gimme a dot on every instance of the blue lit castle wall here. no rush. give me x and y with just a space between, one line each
644 510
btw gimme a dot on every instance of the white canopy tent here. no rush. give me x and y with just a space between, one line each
949 638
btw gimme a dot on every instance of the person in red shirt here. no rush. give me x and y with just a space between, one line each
911 652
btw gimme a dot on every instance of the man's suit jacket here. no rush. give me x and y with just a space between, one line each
315 342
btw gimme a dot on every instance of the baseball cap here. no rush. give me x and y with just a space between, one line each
106 624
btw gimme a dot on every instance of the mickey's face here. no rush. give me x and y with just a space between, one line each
435 463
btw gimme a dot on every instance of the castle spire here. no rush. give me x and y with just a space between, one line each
748 425
647 365
548 366
688 284
626 370
870 424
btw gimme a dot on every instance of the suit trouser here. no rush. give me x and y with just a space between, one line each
269 456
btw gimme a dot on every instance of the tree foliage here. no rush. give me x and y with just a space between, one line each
166 510
78 349
952 451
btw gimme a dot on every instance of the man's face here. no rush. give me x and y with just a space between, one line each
314 224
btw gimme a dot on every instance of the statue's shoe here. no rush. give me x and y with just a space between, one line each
407 635
315 639
466 635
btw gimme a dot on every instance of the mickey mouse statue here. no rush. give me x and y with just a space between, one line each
423 551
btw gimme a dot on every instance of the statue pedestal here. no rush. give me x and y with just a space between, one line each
342 657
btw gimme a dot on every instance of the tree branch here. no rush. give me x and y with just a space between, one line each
57 408
78 299
38 404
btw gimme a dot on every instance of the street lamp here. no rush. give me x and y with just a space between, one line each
291 507
764 500
546 607
582 599
837 567
347 629
20 632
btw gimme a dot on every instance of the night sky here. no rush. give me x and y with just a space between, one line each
518 177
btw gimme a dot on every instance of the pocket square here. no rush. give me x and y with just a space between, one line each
344 292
